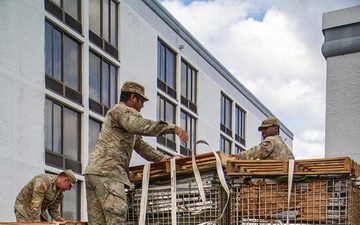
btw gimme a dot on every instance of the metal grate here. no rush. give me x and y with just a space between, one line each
315 202
190 209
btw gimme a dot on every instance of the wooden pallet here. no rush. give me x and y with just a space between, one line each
158 170
325 166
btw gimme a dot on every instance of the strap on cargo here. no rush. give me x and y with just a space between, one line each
221 177
173 190
144 193
290 180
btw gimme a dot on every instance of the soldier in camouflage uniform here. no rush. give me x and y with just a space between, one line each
272 146
106 174
43 193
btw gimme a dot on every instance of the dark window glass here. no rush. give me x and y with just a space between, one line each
103 17
70 207
62 63
188 123
68 11
225 145
72 127
188 86
239 125
166 112
71 63
103 84
238 149
94 130
226 109
166 70
62 136
95 16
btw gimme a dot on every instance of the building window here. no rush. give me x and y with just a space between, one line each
239 149
94 130
166 69
226 109
225 145
103 84
70 207
188 123
188 86
239 125
104 25
62 136
68 11
166 112
62 63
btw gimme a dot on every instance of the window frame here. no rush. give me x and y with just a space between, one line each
166 81
59 159
190 126
223 141
168 139
188 86
53 83
226 114
98 39
240 123
59 12
99 106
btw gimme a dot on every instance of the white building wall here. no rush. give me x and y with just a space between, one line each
22 73
341 48
22 98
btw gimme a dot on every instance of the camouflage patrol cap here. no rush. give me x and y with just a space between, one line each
71 176
130 86
269 122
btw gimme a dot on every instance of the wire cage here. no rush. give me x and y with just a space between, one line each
322 201
190 210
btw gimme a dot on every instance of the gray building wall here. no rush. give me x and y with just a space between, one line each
141 24
341 49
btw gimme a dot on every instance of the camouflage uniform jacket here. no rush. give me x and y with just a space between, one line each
120 134
39 195
272 147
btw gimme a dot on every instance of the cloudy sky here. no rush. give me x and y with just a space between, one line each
273 47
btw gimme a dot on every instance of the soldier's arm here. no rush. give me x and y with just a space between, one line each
147 151
40 187
54 208
134 123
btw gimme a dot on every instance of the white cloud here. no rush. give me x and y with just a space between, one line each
273 47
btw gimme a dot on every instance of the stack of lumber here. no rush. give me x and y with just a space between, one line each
161 170
326 166
343 166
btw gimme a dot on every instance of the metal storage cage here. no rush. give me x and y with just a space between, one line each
190 209
319 201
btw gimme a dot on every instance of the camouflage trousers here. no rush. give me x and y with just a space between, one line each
106 201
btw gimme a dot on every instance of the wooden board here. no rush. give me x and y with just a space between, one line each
325 166
204 162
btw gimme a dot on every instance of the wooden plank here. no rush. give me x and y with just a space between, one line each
326 166
204 162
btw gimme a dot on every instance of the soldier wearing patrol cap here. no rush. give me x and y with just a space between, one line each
44 193
106 175
272 146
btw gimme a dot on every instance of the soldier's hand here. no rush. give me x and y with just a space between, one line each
182 134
